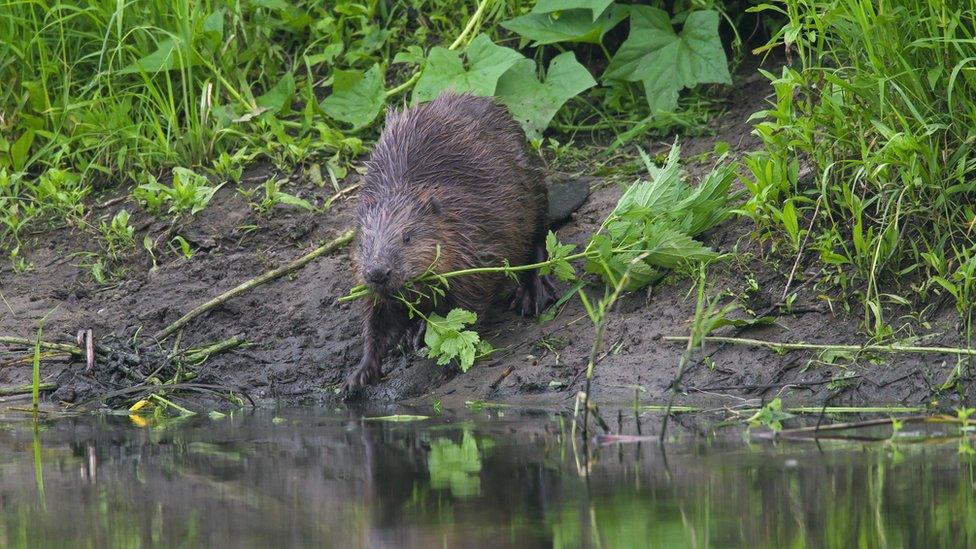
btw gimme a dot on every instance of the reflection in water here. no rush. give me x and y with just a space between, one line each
307 479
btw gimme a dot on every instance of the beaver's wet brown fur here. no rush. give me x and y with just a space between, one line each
452 175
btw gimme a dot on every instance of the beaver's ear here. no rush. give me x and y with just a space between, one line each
432 206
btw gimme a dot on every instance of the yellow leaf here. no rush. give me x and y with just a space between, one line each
138 405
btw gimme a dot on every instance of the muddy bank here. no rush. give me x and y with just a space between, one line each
301 342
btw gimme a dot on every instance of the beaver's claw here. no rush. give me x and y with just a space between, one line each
367 373
534 296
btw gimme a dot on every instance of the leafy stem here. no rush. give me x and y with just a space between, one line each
468 31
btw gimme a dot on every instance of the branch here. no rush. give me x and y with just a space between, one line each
335 244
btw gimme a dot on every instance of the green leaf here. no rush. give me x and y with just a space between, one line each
278 98
487 62
20 150
576 25
293 200
398 418
446 338
597 7
561 268
214 24
654 224
667 62
166 57
357 96
533 103
271 4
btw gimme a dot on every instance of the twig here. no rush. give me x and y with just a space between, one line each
802 432
749 387
829 347
468 29
26 389
24 342
203 353
334 244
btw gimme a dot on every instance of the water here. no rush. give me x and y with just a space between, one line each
467 479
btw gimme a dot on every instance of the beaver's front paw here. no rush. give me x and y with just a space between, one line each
367 373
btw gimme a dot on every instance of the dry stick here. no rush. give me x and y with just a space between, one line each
24 389
336 243
24 342
825 347
203 353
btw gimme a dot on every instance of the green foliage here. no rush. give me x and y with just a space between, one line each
572 25
655 221
882 111
188 194
120 91
444 70
118 235
770 415
665 61
557 263
533 103
357 96
446 338
273 196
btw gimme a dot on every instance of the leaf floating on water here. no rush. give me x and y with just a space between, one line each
397 418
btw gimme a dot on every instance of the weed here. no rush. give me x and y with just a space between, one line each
120 91
118 235
273 196
881 108
189 193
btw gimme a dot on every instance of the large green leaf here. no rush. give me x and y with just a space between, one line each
575 25
533 103
487 62
279 97
447 339
667 62
169 54
548 6
357 96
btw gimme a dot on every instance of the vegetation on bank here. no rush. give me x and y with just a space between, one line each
866 161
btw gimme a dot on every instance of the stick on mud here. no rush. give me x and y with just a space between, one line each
828 347
244 287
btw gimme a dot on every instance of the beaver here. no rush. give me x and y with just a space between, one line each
450 185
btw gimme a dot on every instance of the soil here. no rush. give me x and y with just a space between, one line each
301 342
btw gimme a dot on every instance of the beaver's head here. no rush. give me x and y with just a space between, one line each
398 240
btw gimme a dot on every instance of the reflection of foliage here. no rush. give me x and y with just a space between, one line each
456 466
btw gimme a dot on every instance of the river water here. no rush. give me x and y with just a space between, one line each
487 478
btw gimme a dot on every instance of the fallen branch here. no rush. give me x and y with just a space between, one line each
25 389
334 244
203 353
775 345
46 345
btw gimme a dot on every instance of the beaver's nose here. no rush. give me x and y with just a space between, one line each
378 275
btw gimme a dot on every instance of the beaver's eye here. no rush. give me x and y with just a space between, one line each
406 239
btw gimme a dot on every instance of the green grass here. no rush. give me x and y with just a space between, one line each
157 96
881 104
